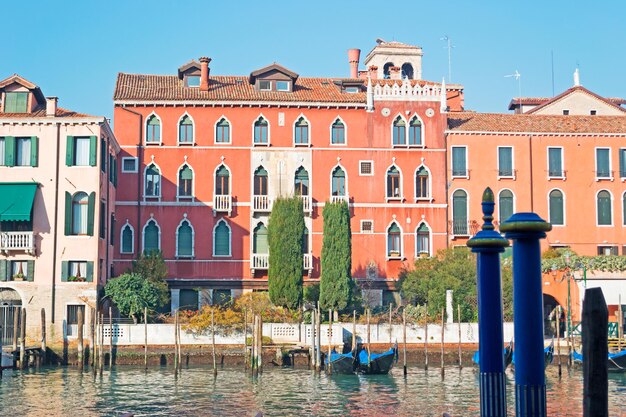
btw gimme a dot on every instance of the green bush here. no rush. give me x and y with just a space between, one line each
131 293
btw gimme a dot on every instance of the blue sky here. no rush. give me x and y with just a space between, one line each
75 49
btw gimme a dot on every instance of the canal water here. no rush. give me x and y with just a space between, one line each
277 392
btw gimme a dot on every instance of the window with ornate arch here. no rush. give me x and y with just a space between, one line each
422 240
399 131
184 240
261 131
153 130
415 132
151 237
394 241
221 239
556 208
222 131
421 184
505 205
301 182
338 133
185 182
127 244
301 132
260 181
394 186
459 213
185 130
338 186
222 181
152 181
605 217
260 243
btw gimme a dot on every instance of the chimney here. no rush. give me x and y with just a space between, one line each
51 106
353 58
373 72
204 73
576 78
394 73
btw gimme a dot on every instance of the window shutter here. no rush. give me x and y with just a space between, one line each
91 209
114 172
34 151
69 151
112 231
222 239
30 270
3 269
93 150
89 276
68 214
103 158
184 240
9 151
65 267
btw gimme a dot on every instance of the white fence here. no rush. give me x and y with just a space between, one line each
300 334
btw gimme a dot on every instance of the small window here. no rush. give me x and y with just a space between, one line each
399 131
421 184
338 133
222 131
265 85
605 216
19 270
394 241
505 161
193 81
184 240
301 132
394 187
153 130
415 132
128 239
72 315
593 112
261 131
81 151
153 182
555 162
603 163
185 130
459 161
565 112
367 226
366 168
103 221
80 214
129 165
622 161
607 250
185 182
353 90
22 151
16 102
77 271
422 240
2 147
282 85
556 208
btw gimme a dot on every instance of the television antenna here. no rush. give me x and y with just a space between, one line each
449 47
518 78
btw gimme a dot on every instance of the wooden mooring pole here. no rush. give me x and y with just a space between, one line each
80 347
404 341
16 326
369 350
354 343
101 348
213 341
145 338
558 337
180 346
110 336
245 339
458 309
94 341
260 345
390 328
318 340
44 350
253 345
23 339
426 343
176 344
595 354
92 337
443 329
330 341
312 348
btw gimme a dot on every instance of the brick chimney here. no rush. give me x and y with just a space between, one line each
395 73
51 106
373 72
204 73
353 58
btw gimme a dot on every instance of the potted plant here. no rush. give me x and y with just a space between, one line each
76 279
18 277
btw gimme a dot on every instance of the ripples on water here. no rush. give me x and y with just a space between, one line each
277 392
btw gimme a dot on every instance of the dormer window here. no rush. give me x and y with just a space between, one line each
282 85
265 85
192 80
16 102
274 77
353 90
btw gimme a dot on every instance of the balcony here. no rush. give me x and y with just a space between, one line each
261 203
338 198
463 228
222 204
10 241
306 203
307 263
260 261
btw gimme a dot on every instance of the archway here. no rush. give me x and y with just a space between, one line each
549 314
10 303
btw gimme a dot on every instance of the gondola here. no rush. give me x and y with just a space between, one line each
508 355
342 363
548 355
617 361
380 364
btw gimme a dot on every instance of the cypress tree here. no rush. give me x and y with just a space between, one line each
285 234
336 262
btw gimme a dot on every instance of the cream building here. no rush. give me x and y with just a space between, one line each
58 175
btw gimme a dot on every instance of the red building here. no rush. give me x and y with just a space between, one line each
203 157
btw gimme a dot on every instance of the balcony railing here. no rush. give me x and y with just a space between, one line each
262 203
17 241
462 227
307 261
338 198
260 261
222 203
306 203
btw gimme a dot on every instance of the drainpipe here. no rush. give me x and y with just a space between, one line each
139 159
107 235
56 223
445 144
530 149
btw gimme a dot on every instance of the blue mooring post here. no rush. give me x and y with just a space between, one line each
525 229
488 244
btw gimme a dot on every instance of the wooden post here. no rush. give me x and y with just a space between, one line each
180 346
443 329
426 344
213 341
44 349
312 348
16 326
176 343
558 337
595 354
318 341
458 309
620 324
253 345
260 341
354 331
369 350
101 349
23 339
390 329
404 340
145 338
94 341
110 336
330 338
1 352
81 322
92 335
245 338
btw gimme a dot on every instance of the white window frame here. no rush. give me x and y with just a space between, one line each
612 211
401 256
145 139
345 132
265 89
269 127
193 238
400 190
230 179
230 243
610 177
135 159
230 131
430 239
132 231
563 172
422 132
429 197
192 197
623 178
512 162
467 171
143 234
564 207
371 162
369 232
293 130
406 131
193 128
345 171
282 89
143 182
467 212
514 202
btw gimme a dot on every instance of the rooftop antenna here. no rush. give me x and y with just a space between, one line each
449 46
517 77
552 59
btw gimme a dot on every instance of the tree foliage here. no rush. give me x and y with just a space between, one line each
151 266
285 234
336 286
131 293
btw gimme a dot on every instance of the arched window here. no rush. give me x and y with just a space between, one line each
80 214
399 131
338 133
505 205
151 238
184 240
604 208
222 181
185 182
459 213
221 239
415 131
407 71
185 130
260 244
153 181
393 183
301 132
422 240
128 239
301 182
305 241
394 238
260 181
261 131
386 67
222 131
153 130
556 208
421 183
338 182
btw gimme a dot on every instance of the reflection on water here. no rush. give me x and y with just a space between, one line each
277 392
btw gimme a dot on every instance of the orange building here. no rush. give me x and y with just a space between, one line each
204 156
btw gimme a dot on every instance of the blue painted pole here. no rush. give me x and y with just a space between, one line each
488 244
525 229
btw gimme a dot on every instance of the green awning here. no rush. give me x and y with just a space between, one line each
16 201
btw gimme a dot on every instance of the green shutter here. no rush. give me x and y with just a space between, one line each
261 245
112 231
9 151
91 210
10 102
65 268
69 151
185 240
127 240
34 151
103 156
186 174
30 270
93 150
89 276
556 208
68 214
3 269
222 240
114 172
